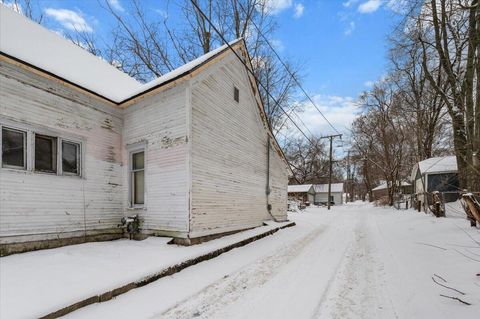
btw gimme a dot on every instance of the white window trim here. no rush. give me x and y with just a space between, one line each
29 159
25 152
133 149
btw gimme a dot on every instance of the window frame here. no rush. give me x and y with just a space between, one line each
57 153
79 157
25 144
29 148
135 149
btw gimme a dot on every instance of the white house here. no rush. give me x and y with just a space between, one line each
304 193
436 174
382 189
336 194
83 145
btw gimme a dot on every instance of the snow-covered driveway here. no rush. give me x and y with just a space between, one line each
356 261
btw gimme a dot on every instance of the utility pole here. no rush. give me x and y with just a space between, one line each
349 190
331 137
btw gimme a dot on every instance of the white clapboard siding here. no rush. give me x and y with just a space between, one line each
160 122
278 186
323 197
229 154
48 205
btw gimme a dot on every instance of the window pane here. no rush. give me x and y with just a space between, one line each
13 147
70 157
138 187
45 153
138 160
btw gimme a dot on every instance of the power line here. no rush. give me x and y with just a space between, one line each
288 70
246 66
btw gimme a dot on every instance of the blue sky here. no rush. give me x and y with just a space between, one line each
341 44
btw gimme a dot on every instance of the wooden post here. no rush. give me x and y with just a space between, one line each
437 209
472 209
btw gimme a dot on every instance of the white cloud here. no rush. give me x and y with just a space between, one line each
276 6
369 84
162 13
339 110
369 6
69 19
116 5
350 28
299 8
278 44
349 3
398 6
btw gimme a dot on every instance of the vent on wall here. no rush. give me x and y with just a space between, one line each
236 94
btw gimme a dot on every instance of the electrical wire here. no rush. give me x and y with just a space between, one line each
288 70
248 69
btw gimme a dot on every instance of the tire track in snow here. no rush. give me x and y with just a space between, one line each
335 279
227 290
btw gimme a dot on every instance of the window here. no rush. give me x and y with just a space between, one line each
70 158
14 144
138 178
45 153
236 94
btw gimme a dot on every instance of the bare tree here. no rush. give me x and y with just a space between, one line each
422 106
381 136
449 32
309 161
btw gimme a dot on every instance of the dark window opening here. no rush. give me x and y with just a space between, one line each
45 153
236 94
13 148
70 158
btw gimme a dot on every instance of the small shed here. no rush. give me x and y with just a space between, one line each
382 189
336 194
303 193
436 174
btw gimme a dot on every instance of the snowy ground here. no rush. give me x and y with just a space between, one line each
357 261
36 283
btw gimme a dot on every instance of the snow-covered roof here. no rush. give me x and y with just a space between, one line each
299 188
438 165
30 42
323 188
184 69
383 185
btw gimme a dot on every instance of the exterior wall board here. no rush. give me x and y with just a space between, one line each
205 159
229 155
323 197
44 204
160 122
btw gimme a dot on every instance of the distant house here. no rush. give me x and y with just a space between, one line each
303 193
381 191
84 145
321 194
436 174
